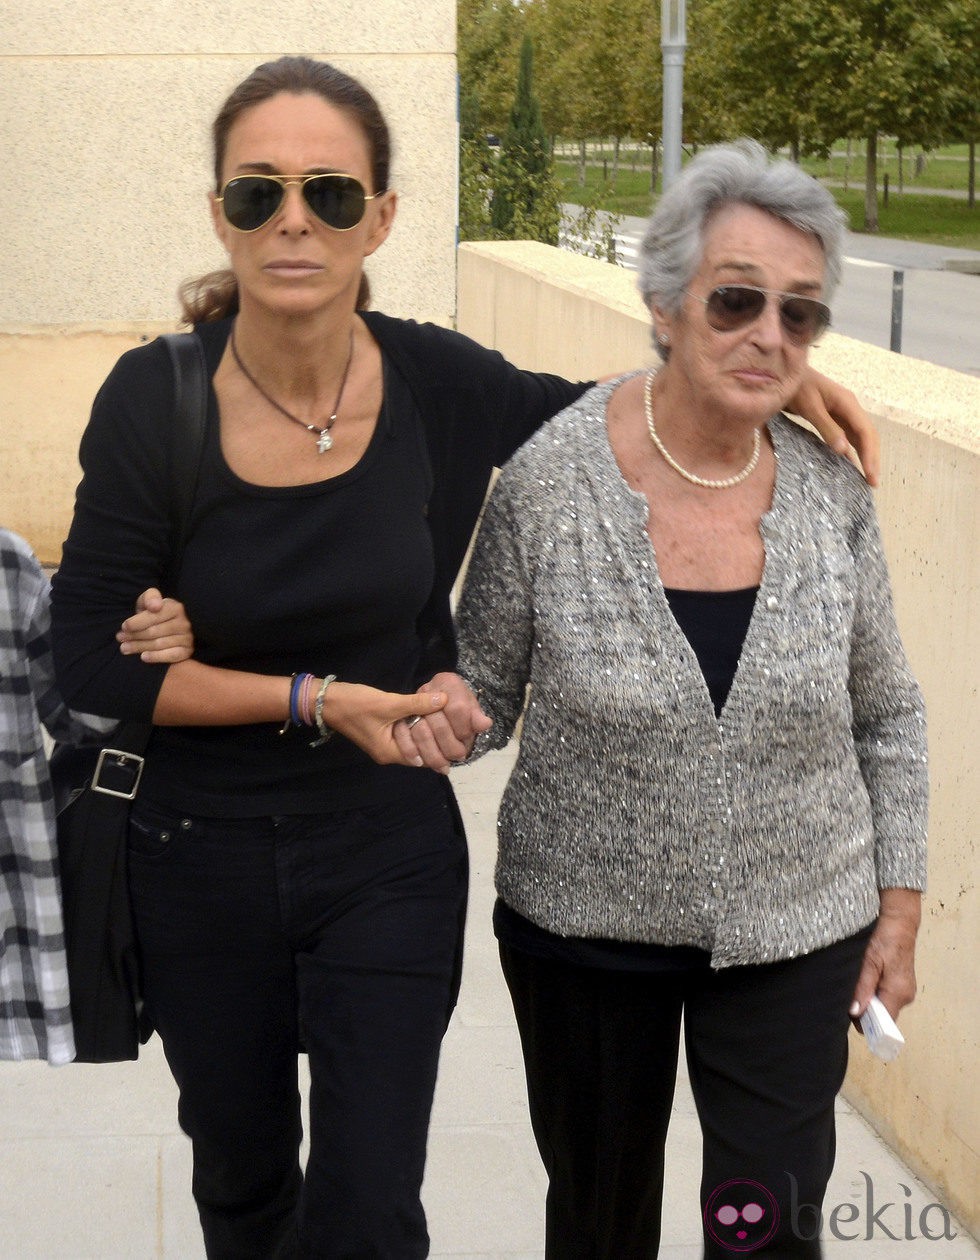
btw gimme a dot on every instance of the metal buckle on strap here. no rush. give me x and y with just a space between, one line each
117 773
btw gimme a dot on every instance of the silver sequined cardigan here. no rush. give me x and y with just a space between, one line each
633 813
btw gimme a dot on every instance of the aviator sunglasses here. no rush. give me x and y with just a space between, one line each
250 201
734 306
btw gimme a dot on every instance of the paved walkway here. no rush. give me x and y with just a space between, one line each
93 1166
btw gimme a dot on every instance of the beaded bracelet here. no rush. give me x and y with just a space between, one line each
324 731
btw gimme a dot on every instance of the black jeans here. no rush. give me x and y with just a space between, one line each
341 934
766 1049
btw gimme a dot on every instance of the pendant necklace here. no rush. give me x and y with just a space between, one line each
689 476
324 441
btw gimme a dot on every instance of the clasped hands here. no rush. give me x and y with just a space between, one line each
445 736
435 727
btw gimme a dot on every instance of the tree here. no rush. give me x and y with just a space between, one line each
793 75
639 68
744 76
477 167
525 196
559 29
894 79
488 36
598 66
962 31
809 75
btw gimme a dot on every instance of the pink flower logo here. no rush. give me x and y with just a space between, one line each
741 1215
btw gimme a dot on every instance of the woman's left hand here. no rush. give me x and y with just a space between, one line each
159 632
888 969
839 419
444 738
369 718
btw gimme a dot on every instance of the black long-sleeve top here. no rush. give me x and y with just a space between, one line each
350 576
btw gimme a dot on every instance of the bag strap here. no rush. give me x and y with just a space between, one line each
186 450
71 767
189 419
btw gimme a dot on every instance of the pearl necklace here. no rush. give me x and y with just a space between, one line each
324 438
689 476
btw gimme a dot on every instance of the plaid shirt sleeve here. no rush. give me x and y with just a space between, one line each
35 1015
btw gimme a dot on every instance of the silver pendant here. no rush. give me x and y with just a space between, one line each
324 442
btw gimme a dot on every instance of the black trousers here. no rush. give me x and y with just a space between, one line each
340 933
766 1050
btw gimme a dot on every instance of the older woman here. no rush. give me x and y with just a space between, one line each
718 810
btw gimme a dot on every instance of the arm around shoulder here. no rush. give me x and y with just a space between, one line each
841 421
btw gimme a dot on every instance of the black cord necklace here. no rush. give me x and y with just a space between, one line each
324 441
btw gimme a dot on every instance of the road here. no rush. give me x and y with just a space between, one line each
940 310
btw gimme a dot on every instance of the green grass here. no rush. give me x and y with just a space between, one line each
946 168
916 217
631 194
908 216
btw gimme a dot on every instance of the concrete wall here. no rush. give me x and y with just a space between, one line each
581 318
105 113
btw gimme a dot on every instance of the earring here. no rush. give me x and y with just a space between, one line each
664 339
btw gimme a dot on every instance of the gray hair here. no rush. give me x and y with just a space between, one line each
725 174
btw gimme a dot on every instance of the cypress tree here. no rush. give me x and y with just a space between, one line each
525 202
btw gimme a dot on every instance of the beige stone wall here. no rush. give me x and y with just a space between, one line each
582 318
105 111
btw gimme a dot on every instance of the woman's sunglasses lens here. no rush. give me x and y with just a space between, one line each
803 318
734 306
251 201
335 200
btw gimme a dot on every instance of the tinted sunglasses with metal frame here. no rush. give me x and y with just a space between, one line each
731 307
250 201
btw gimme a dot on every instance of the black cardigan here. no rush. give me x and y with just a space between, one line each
476 408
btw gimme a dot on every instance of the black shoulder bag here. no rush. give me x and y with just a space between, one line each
94 790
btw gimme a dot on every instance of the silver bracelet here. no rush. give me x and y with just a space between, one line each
324 731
